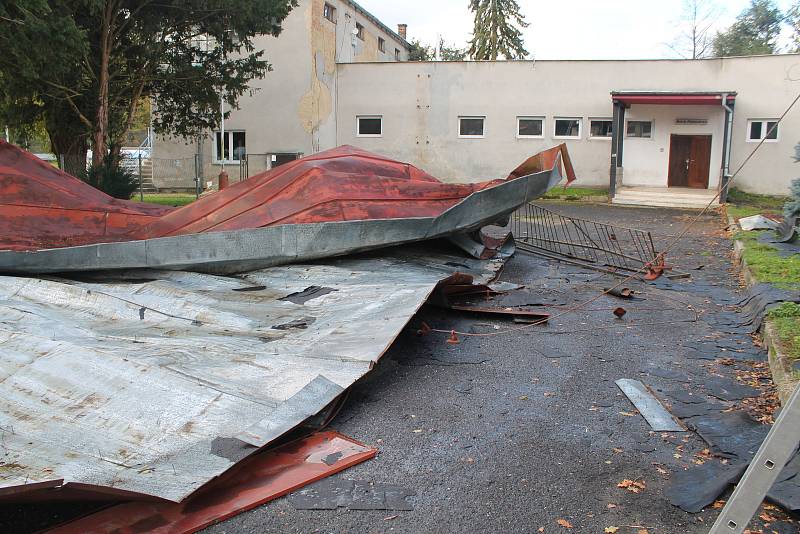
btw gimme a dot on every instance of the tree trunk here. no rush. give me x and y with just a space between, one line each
69 141
100 133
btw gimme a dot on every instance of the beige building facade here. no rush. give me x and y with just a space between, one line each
341 77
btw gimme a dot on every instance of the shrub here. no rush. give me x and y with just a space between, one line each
112 179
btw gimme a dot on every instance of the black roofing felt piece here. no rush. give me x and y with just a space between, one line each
697 487
731 435
728 389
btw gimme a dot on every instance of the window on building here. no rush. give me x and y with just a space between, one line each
359 31
639 129
329 12
471 126
397 54
569 127
758 129
530 127
381 44
276 160
235 146
600 128
369 126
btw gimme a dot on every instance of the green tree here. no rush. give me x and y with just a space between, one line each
497 30
85 66
755 31
419 51
451 53
793 19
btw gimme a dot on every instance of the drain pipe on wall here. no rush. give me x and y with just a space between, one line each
726 159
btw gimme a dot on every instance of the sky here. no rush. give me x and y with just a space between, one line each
561 29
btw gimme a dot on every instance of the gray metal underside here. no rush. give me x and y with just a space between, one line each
246 250
129 380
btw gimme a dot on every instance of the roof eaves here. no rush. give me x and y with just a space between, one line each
396 36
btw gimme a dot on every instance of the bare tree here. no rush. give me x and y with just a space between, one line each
695 29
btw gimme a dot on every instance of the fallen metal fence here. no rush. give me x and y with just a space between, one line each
538 229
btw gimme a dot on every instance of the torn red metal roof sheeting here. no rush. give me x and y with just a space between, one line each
42 207
255 481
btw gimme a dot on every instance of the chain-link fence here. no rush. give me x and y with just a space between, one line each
171 173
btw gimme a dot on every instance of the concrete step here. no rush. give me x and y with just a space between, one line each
678 195
662 202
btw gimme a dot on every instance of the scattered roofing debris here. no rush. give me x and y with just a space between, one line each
255 481
315 207
226 365
654 413
330 494
757 222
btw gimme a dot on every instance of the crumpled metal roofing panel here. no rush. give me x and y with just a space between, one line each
336 202
154 382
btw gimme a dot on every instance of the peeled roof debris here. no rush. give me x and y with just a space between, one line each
337 202
147 382
653 411
255 481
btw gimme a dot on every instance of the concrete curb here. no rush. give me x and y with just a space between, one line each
779 365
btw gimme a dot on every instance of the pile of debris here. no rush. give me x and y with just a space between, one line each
137 367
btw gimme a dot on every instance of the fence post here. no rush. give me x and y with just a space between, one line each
141 192
197 176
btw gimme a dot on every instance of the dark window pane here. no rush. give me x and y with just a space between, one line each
531 127
369 126
568 127
239 145
601 129
471 126
282 159
227 146
640 128
381 44
771 134
755 130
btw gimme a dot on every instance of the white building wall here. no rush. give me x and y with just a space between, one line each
421 103
291 109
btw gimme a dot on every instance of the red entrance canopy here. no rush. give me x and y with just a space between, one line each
708 99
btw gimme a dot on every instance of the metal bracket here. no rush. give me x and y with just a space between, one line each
778 447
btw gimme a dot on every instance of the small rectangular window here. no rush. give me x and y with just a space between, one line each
471 126
639 129
600 128
397 54
569 127
381 44
329 12
235 146
370 126
359 31
530 127
762 129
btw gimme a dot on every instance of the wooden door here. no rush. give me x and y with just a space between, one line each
700 161
689 161
680 147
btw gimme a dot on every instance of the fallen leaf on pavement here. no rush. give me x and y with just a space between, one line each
627 414
541 529
632 485
718 504
662 470
642 531
564 523
610 530
389 518
611 505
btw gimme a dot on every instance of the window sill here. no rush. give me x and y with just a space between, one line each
567 137
599 138
530 137
233 162
369 135
472 137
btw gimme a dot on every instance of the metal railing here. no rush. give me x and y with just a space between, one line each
539 229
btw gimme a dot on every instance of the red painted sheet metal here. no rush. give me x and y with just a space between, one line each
673 99
342 184
43 207
252 482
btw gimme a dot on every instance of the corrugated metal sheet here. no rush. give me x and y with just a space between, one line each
154 382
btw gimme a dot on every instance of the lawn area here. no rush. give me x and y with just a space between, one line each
575 193
167 199
741 204
768 266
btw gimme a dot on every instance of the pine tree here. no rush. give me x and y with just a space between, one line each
755 31
497 30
